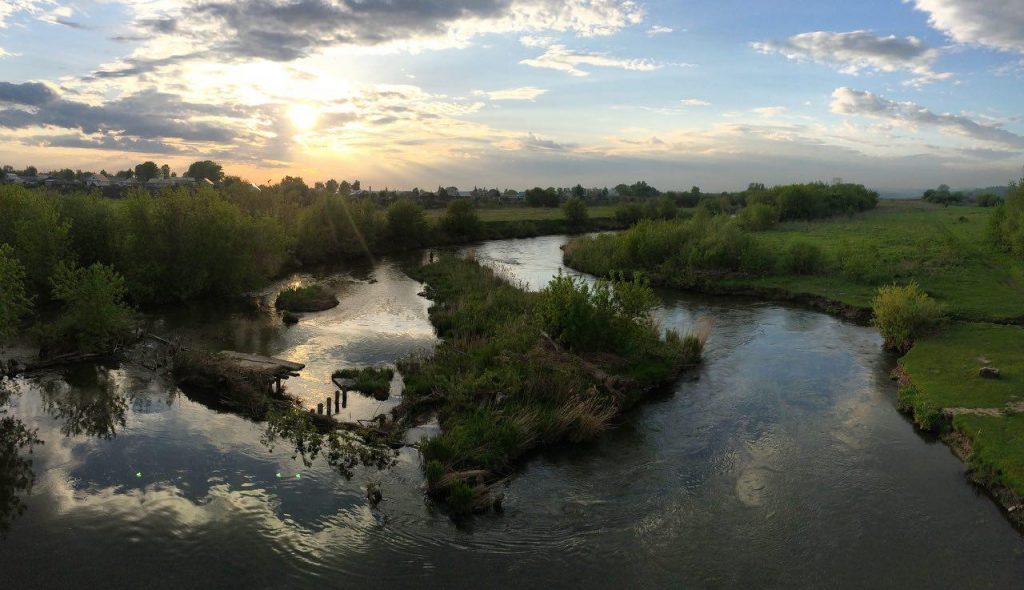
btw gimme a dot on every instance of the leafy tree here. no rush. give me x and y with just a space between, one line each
541 197
407 224
165 171
905 313
31 224
93 310
30 171
331 186
206 169
575 211
579 191
146 171
460 220
14 303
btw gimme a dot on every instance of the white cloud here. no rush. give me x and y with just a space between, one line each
846 101
535 41
695 102
992 23
525 93
562 59
860 51
769 111
658 30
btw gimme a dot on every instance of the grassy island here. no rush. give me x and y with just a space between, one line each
518 370
311 298
962 378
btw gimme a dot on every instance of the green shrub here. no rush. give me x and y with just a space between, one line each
369 380
460 221
93 315
407 225
575 211
803 258
628 213
905 313
758 217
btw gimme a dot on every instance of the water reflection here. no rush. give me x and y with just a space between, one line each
88 400
16 475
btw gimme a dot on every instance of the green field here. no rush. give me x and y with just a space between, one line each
944 249
491 214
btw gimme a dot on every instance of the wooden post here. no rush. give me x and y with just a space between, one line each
278 384
337 402
319 408
328 404
344 398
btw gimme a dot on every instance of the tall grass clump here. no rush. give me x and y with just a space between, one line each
903 313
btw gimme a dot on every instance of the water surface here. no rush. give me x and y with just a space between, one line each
780 463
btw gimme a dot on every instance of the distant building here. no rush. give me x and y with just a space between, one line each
97 181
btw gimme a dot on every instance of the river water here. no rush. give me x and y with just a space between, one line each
781 462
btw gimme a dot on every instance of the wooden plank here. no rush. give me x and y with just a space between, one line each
343 383
263 362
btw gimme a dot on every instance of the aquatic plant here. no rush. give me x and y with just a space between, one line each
308 298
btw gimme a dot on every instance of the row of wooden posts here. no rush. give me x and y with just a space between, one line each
340 401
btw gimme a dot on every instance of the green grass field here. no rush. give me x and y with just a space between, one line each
944 249
490 214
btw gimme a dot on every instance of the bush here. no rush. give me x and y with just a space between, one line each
628 213
989 200
575 211
93 313
803 258
460 221
407 224
758 217
904 313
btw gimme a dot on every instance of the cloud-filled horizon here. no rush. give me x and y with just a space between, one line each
403 93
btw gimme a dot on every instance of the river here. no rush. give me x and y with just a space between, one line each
781 462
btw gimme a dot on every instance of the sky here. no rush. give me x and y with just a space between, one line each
897 94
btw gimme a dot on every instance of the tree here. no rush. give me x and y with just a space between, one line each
30 171
165 171
542 197
206 169
460 220
331 186
93 311
407 224
355 185
146 171
579 191
14 303
575 211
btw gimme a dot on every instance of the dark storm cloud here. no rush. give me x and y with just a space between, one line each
31 94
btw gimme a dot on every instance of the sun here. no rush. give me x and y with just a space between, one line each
303 116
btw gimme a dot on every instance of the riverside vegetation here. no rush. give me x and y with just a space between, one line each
517 370
944 285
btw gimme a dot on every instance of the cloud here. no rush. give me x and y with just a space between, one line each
146 115
106 142
562 59
31 94
992 23
846 101
535 41
695 102
525 93
286 30
860 51
769 111
658 30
